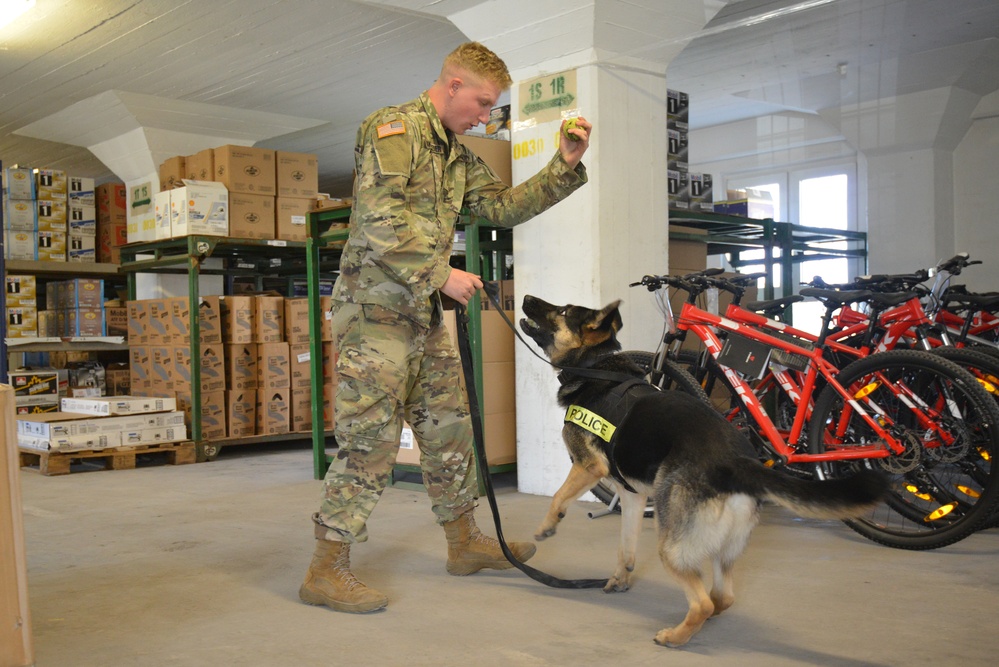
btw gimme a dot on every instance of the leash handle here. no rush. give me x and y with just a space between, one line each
461 318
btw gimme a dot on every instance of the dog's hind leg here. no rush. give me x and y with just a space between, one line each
700 608
579 481
632 510
722 589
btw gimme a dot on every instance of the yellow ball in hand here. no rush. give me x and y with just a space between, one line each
570 124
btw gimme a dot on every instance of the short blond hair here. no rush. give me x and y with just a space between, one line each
480 61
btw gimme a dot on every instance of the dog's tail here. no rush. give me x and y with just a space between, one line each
817 499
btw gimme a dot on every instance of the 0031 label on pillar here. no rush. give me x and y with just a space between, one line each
541 104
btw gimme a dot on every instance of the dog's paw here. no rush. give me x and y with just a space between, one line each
544 533
670 638
617 585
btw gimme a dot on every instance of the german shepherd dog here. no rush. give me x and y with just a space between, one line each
677 450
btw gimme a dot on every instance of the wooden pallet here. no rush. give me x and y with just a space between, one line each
116 458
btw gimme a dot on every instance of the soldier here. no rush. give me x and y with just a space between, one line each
396 359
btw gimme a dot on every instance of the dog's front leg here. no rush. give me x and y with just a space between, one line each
632 510
579 481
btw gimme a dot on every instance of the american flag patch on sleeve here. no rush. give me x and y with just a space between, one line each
388 129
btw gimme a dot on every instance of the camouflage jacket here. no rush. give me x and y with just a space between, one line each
413 178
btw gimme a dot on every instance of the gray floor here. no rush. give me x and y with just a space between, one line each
200 565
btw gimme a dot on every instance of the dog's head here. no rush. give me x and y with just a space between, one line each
571 334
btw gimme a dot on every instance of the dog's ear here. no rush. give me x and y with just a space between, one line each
603 325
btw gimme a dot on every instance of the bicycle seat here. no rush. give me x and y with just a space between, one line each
837 297
987 301
772 307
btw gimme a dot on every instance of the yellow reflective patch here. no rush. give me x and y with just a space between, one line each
590 421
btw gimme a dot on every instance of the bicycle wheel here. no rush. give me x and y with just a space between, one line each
943 487
670 377
983 363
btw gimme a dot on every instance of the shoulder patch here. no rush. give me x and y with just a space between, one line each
389 129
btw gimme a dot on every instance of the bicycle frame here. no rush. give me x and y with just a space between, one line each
701 324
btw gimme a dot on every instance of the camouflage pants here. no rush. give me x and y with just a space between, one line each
390 368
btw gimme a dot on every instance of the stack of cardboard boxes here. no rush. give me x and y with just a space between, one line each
687 190
22 306
112 222
267 193
49 216
254 361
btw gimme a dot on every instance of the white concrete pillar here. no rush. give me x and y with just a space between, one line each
908 142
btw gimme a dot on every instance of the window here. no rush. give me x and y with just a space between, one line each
823 197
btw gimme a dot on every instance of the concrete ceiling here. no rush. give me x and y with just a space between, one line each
334 61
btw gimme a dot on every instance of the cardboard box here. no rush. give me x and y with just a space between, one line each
177 319
162 367
677 109
246 169
687 256
199 167
326 318
34 386
676 157
22 322
268 319
20 244
50 184
20 215
19 183
87 292
199 208
273 411
81 192
238 318
64 424
291 218
21 290
52 215
16 645
212 413
494 152
241 413
296 320
300 410
211 366
273 366
138 322
300 366
701 192
82 321
118 405
81 248
173 172
251 216
116 319
240 366
117 379
48 323
140 370
297 174
678 186
112 222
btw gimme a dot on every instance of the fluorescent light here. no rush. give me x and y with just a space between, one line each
11 9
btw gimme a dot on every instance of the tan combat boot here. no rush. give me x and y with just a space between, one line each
468 550
329 582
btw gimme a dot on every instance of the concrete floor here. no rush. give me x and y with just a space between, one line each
200 565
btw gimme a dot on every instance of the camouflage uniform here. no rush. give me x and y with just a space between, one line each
396 358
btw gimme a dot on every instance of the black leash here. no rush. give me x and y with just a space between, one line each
461 317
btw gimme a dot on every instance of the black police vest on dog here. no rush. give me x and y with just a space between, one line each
602 415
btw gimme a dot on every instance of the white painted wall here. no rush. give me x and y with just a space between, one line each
976 195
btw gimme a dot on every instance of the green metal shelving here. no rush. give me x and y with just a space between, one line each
732 235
